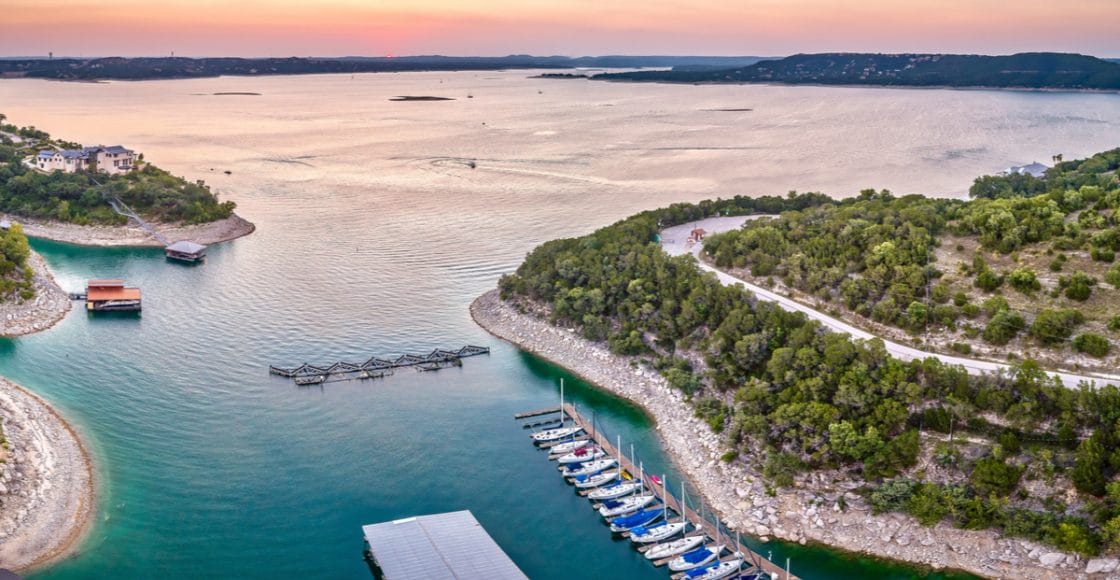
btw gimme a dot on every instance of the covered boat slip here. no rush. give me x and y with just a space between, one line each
185 251
449 545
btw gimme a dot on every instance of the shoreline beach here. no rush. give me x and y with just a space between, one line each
808 512
46 482
49 306
131 235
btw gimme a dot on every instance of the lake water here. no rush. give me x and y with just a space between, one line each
374 234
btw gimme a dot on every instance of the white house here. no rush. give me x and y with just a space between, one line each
113 160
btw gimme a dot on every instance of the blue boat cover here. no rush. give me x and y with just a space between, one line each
612 503
635 519
701 570
697 556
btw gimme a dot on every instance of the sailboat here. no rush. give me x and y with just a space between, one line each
695 559
595 480
621 507
587 468
662 530
634 520
560 432
676 547
565 448
716 571
582 455
620 489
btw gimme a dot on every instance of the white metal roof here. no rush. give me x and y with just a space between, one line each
450 545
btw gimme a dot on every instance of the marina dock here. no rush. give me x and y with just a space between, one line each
376 367
681 509
448 545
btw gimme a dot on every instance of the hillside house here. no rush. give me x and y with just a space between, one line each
112 160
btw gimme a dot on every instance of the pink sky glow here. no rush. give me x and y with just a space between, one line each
545 27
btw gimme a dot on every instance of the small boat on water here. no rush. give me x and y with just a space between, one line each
554 434
695 559
639 518
716 571
565 448
675 548
620 507
582 455
614 491
660 531
595 480
587 468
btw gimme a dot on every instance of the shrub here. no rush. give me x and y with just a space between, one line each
781 467
1055 326
1003 327
988 281
1114 323
1078 286
1091 344
1024 280
991 476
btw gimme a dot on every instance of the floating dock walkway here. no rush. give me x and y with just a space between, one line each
450 545
755 562
376 367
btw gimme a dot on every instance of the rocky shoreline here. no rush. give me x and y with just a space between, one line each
49 305
46 482
810 512
222 230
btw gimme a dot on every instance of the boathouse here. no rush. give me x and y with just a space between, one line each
450 545
110 295
186 251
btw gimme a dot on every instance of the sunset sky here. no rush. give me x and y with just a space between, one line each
545 27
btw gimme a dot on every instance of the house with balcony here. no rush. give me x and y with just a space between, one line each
113 160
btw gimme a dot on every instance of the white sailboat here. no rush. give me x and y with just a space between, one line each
676 547
696 558
662 530
582 455
627 505
557 433
588 467
596 480
721 570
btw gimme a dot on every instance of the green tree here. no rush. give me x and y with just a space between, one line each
1088 468
1024 280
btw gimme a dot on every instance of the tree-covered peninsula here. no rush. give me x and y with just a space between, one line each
1015 451
1026 266
1036 70
82 197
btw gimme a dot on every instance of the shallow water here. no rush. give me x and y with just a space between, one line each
374 234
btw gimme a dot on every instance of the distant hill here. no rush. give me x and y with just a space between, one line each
1037 70
173 67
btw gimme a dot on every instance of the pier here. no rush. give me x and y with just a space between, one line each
755 561
376 367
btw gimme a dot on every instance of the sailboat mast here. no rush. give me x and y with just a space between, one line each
561 402
618 446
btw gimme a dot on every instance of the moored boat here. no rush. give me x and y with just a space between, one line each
716 571
695 559
595 480
675 548
657 532
621 507
570 446
586 468
582 455
614 491
639 518
555 434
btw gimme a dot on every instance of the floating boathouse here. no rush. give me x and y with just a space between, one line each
185 251
450 545
111 295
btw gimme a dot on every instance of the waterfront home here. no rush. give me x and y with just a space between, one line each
1035 169
112 160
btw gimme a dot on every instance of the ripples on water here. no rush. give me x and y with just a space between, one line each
374 234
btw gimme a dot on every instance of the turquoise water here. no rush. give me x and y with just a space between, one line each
374 236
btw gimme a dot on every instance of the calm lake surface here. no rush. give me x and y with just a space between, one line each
374 235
